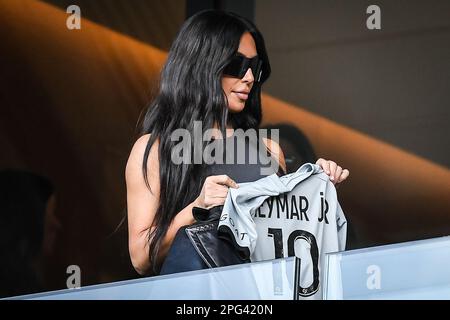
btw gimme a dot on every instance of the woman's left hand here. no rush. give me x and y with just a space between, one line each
331 168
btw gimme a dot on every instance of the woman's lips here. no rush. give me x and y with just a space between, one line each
241 95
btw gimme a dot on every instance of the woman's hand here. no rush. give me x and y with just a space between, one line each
214 191
336 173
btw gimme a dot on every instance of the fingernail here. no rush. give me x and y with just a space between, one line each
332 178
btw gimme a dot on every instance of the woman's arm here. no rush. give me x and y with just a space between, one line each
276 152
142 205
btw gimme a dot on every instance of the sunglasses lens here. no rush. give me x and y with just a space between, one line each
239 65
234 67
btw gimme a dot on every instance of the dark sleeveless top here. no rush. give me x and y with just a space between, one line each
239 168
182 255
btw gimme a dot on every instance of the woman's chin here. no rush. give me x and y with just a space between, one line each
236 107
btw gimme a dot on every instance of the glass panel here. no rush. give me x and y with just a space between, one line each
411 270
262 280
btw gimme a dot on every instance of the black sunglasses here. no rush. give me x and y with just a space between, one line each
239 65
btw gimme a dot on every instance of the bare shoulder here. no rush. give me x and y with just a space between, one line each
273 147
133 171
138 150
276 151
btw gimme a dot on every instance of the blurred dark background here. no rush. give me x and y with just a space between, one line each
376 101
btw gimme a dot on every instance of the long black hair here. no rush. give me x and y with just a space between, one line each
191 90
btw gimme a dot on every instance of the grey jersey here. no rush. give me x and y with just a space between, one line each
296 214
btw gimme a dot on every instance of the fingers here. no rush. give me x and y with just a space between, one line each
218 191
324 164
224 180
344 175
214 195
336 173
333 167
215 190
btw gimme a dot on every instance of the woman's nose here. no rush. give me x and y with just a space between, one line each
248 77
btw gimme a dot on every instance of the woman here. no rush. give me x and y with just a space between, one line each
213 74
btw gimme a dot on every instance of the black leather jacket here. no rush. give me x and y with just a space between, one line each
215 248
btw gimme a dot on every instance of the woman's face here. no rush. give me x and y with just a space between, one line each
237 90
